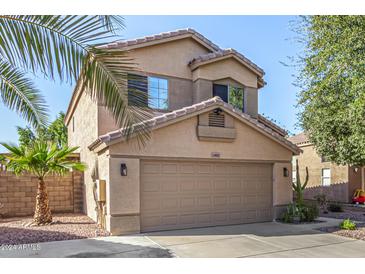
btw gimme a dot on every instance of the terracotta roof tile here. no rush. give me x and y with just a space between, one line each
160 36
299 139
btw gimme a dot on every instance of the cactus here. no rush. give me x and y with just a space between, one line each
298 187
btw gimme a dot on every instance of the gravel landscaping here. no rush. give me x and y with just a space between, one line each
356 214
358 233
64 227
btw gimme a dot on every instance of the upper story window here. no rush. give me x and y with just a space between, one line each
230 94
148 91
157 93
326 176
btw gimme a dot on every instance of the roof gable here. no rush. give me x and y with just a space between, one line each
194 110
223 54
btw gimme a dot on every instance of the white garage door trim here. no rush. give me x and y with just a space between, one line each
184 194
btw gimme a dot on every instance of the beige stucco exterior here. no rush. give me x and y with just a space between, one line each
82 129
153 59
188 138
226 68
179 141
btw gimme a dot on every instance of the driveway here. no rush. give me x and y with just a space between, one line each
241 241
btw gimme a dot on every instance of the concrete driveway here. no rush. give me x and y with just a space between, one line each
260 240
241 241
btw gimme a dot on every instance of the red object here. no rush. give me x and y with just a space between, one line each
359 199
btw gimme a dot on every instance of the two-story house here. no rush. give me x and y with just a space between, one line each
211 159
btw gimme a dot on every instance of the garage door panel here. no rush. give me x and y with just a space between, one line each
220 184
170 204
204 203
186 194
204 169
152 168
168 185
204 184
188 168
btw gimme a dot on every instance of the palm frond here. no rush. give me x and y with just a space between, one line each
52 44
112 23
105 78
66 46
41 159
18 93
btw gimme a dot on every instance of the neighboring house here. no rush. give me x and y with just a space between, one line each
337 182
207 163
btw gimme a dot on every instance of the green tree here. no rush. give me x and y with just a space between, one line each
331 78
65 48
56 133
41 159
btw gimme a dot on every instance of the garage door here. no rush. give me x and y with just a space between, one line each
196 194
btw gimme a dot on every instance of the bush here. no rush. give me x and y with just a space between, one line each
348 224
321 200
300 213
310 213
292 213
334 207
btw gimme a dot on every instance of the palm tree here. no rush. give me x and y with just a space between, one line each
66 48
41 159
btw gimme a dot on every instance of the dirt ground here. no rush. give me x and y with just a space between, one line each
64 227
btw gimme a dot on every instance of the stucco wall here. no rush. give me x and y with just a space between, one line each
283 194
169 58
180 93
251 102
86 131
226 68
180 141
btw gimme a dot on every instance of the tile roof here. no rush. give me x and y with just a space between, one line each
170 116
275 127
217 51
299 139
161 36
223 53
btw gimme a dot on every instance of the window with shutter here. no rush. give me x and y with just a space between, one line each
137 90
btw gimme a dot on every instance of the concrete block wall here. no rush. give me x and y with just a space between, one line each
18 193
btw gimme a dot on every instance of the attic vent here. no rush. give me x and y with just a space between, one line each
216 118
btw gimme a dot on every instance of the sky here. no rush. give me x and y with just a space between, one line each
265 40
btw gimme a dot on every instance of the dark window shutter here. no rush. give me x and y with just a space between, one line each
137 90
221 91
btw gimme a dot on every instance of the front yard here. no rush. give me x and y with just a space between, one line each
15 231
354 214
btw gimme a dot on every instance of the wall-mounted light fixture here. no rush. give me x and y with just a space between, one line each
285 172
123 169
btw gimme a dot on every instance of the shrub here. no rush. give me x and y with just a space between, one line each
334 207
348 224
310 213
300 213
321 200
292 213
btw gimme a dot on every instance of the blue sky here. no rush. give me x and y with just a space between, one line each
266 40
